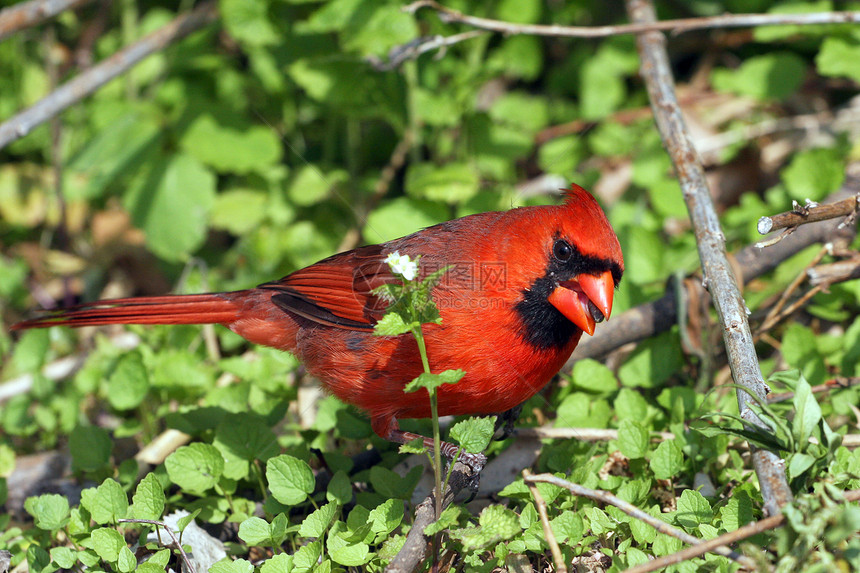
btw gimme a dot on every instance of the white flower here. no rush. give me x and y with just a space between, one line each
402 265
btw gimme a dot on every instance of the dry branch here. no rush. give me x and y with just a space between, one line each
672 26
26 14
729 303
661 526
91 80
802 214
414 552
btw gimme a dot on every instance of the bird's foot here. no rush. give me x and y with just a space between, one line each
505 423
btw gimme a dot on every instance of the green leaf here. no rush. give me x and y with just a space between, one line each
280 563
450 183
497 523
797 464
228 565
814 174
693 509
391 485
568 527
227 150
128 383
106 503
255 531
111 153
316 524
90 447
633 439
126 561
807 413
474 434
148 499
248 21
196 467
50 511
339 488
107 542
592 376
242 438
776 75
376 29
186 520
433 381
65 557
30 351
386 517
580 410
837 57
392 324
239 211
667 461
310 185
290 479
449 518
400 217
175 223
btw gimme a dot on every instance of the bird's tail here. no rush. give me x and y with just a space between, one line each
219 308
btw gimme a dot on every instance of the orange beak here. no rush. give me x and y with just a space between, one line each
586 300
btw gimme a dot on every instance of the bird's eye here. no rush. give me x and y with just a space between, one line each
562 250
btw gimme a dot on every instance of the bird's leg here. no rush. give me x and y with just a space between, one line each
505 423
449 450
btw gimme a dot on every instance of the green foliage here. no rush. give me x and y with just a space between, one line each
272 139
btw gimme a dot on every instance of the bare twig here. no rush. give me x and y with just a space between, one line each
661 526
185 559
834 272
811 213
412 50
26 14
414 550
544 520
91 80
583 434
672 26
717 271
739 534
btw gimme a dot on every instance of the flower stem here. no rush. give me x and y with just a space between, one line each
434 413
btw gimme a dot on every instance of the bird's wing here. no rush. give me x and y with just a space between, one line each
337 291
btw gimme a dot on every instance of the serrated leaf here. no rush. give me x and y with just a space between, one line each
50 511
339 488
107 542
148 499
196 467
386 516
106 503
290 479
433 381
633 439
255 531
667 460
128 383
693 509
392 324
449 518
474 434
316 524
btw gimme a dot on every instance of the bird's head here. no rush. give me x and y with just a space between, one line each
581 266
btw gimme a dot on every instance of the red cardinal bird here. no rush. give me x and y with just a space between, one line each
524 286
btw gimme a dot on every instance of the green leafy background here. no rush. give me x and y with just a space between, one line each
272 139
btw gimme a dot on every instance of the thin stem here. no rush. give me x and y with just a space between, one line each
434 413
